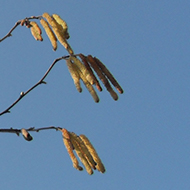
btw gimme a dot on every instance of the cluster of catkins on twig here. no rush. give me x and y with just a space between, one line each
84 150
84 71
80 144
55 28
80 69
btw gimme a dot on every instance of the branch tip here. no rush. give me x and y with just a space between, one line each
17 133
43 82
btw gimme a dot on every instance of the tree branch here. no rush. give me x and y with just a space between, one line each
41 81
85 74
18 131
18 23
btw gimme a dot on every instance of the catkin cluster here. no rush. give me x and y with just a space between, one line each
55 27
81 67
84 150
84 68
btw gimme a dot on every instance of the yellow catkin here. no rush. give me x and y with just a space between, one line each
68 145
86 153
50 20
89 87
35 25
102 77
36 31
73 69
99 165
63 41
80 153
63 24
83 69
49 33
58 30
109 75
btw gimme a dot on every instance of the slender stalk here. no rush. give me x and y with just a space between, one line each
17 24
41 81
33 129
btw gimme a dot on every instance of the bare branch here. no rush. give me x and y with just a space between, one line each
9 33
41 81
18 131
16 24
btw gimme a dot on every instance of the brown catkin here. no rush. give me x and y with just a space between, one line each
94 79
102 77
68 145
109 75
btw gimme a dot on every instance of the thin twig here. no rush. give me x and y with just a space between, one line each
9 33
41 81
44 128
16 24
18 131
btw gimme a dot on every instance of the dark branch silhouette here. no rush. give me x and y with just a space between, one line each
33 129
41 81
17 24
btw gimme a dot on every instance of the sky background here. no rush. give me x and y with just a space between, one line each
143 138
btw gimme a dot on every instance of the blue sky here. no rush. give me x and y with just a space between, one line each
143 139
